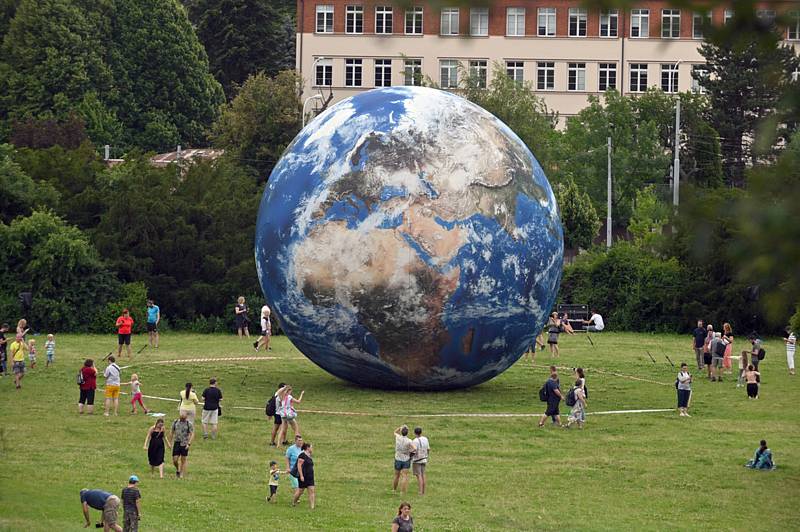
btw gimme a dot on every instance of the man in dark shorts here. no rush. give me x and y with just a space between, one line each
124 330
699 335
182 436
211 399
554 397
106 503
153 317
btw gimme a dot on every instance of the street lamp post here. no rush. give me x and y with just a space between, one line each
314 97
676 167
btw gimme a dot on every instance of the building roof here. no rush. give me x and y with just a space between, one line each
164 159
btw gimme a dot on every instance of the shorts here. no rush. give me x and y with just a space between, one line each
32 358
112 391
87 397
399 465
277 419
552 408
124 339
179 450
707 358
552 338
717 362
594 329
294 482
51 357
288 418
130 523
272 490
19 368
418 468
110 510
210 417
152 327
683 398
752 389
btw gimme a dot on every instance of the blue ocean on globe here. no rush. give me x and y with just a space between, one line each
408 239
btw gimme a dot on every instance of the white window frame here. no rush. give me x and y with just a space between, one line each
640 21
323 72
412 72
353 15
605 70
327 12
383 67
516 71
795 75
546 22
448 79
479 67
576 77
700 20
580 17
670 72
451 15
515 21
384 20
606 18
416 15
479 21
670 22
351 66
548 82
639 73
703 70
727 16
793 31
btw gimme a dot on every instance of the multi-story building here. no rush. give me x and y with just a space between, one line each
566 50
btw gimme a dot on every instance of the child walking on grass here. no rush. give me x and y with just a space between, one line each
50 349
742 367
32 352
274 478
136 394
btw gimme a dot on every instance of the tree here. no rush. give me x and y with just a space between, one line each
258 124
578 216
243 37
649 217
19 194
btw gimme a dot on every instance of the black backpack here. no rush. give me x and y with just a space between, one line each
571 399
761 354
719 349
543 395
294 472
270 410
79 377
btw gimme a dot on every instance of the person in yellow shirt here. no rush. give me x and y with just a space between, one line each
17 350
188 402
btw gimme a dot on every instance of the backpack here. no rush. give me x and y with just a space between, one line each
719 349
761 354
294 472
270 410
543 395
571 399
79 378
585 391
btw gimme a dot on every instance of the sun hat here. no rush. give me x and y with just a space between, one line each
133 478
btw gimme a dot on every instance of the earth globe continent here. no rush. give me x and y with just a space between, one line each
408 239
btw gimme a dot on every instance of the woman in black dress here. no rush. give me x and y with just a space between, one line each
305 472
154 444
553 330
241 318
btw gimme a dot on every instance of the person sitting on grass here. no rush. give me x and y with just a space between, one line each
762 458
105 502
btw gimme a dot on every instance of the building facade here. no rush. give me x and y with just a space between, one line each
566 50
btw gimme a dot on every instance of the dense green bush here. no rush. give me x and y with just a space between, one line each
132 296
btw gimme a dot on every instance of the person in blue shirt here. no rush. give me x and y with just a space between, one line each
291 459
762 459
153 317
104 501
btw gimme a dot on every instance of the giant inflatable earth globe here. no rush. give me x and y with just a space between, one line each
408 239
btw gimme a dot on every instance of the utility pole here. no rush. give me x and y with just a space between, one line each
676 168
608 213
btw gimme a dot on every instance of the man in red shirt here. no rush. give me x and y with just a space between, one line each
124 329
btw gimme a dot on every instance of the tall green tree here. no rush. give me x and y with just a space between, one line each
578 215
19 193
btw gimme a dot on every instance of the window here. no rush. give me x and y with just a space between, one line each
545 76
448 73
354 19
669 78
700 21
323 73
324 19
577 22
414 21
449 21
546 22
515 21
796 74
608 76
383 19
352 72
728 15
576 76
383 72
609 22
516 71
640 23
479 21
794 25
638 77
670 23
477 71
698 72
767 16
413 72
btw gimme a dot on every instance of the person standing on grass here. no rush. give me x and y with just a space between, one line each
87 387
266 330
3 350
419 462
402 458
124 330
131 505
50 350
288 412
112 376
699 335
212 396
717 347
727 337
707 358
305 471
758 346
189 402
242 320
742 367
153 317
292 453
104 501
554 397
182 436
577 413
274 406
684 385
752 377
17 351
154 445
136 394
553 330
403 522
580 375
790 339
22 328
274 480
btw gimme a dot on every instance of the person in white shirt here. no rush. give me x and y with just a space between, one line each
419 459
266 330
791 346
402 458
595 322
112 375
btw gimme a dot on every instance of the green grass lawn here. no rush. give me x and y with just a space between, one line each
622 472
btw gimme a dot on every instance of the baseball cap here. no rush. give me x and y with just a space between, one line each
133 478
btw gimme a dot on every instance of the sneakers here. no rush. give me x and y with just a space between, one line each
178 474
205 436
272 444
